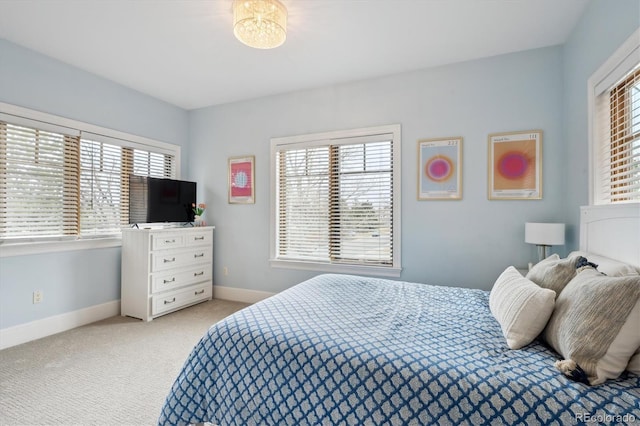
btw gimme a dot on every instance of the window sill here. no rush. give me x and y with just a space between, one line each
8 249
375 271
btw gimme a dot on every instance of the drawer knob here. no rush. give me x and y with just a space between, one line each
198 238
172 280
199 292
198 255
166 302
173 259
170 241
197 274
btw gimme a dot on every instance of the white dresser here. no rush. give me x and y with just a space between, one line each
164 270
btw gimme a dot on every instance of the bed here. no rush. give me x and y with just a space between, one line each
340 349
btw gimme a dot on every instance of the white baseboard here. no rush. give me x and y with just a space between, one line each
23 333
239 294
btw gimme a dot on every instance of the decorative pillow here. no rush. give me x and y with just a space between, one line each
611 267
553 273
521 307
594 325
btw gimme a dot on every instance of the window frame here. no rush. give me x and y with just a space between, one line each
314 139
39 246
612 71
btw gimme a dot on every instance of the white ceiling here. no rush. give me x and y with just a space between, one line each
184 51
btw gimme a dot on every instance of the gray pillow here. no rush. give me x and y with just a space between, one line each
553 272
594 325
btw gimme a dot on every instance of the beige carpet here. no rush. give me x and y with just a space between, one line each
113 372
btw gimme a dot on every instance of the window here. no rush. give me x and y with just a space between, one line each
614 103
336 201
59 182
104 182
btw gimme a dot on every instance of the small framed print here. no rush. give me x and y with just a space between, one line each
515 165
440 169
241 180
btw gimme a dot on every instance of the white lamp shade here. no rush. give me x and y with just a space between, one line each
547 234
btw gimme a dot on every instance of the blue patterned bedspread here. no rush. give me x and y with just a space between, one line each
346 350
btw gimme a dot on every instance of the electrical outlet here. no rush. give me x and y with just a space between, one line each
225 271
37 296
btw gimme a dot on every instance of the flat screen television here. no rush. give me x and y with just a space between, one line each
153 200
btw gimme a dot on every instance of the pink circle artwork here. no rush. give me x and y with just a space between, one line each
513 165
439 168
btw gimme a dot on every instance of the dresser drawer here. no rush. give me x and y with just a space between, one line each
199 238
174 279
176 299
164 260
161 242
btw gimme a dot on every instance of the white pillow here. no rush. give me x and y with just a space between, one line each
624 344
610 267
521 307
634 363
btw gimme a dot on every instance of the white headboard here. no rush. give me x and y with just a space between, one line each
612 231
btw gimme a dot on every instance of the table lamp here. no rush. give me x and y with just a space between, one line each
544 235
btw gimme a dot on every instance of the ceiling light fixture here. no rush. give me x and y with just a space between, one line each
260 23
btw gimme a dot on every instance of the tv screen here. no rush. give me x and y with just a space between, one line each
160 200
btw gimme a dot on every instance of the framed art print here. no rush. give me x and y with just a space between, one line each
241 180
515 165
440 169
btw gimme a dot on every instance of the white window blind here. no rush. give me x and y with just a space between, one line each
618 112
361 202
335 201
38 183
614 105
303 214
623 154
60 183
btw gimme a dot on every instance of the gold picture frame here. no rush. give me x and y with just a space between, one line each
440 169
241 180
515 165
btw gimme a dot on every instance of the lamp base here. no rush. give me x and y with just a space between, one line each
543 252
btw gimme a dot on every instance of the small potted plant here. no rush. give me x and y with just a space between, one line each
198 211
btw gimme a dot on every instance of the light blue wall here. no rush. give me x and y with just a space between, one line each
69 280
462 243
604 26
35 81
73 280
